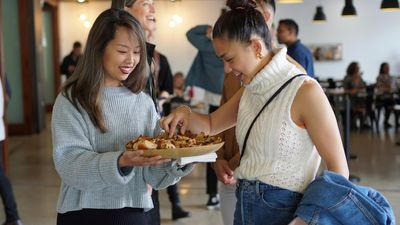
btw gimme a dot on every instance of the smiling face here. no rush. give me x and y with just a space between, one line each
144 11
120 58
239 58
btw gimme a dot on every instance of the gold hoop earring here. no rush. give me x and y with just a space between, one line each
259 55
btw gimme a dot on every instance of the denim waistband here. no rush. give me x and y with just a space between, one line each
255 185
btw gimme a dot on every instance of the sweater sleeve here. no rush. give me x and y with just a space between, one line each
197 36
160 177
77 163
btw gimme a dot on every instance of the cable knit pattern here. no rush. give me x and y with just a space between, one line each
87 160
278 152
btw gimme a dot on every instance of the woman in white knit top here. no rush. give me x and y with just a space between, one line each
289 137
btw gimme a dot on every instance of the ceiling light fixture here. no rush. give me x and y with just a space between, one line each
319 15
81 1
349 9
290 1
389 5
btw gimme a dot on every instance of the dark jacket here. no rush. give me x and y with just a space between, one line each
331 199
303 56
68 61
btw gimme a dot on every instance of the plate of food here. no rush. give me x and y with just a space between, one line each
176 147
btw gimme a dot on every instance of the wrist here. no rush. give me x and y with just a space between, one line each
186 109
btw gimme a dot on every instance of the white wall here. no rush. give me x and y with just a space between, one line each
370 38
71 27
373 36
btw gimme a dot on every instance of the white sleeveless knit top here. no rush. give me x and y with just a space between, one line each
278 152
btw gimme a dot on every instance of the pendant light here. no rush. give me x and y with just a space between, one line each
319 15
290 1
390 5
349 9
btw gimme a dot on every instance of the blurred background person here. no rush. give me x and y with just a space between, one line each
288 31
165 88
70 61
385 89
6 192
179 84
355 86
207 72
160 87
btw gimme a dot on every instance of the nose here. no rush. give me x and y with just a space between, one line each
227 68
130 58
152 8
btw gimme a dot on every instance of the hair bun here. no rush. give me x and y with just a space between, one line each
241 4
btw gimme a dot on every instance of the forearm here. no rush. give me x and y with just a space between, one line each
225 116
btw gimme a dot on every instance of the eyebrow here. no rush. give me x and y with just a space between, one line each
221 56
122 45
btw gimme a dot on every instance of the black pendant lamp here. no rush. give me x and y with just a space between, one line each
319 15
390 5
349 9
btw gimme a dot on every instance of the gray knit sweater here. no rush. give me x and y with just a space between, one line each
86 159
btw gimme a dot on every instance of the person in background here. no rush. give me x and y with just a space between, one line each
159 86
179 85
290 135
228 155
355 86
70 61
144 12
385 88
287 34
6 192
102 107
207 72
164 86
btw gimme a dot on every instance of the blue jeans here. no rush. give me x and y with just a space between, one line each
260 203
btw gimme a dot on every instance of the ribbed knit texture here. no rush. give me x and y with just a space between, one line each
86 159
278 152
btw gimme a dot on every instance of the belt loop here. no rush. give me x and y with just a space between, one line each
258 187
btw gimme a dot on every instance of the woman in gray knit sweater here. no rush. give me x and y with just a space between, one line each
101 108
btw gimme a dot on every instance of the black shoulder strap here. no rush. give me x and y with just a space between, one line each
262 109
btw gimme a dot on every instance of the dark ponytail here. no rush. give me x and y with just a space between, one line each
241 4
241 22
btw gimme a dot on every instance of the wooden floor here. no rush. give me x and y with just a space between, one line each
36 183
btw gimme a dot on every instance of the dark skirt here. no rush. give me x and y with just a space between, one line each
124 216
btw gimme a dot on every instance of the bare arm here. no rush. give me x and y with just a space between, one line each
223 118
312 109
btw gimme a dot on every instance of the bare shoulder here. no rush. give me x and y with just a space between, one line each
309 97
309 91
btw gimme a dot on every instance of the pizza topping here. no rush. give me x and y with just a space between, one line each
162 141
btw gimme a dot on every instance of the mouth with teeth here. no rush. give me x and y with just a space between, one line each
151 18
126 69
239 75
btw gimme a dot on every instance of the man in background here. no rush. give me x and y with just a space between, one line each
287 34
70 61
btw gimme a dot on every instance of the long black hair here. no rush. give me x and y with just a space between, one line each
241 22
